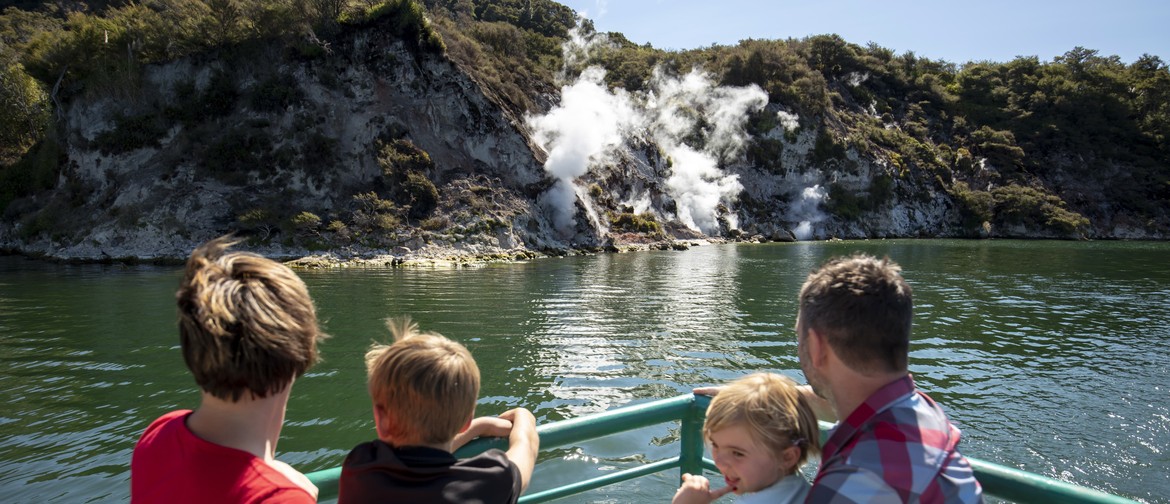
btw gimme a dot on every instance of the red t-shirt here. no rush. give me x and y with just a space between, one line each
172 465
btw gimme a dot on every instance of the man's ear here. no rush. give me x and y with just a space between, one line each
818 348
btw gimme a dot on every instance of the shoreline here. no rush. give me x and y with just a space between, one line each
447 256
453 258
431 256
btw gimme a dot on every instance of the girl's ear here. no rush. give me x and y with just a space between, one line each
788 458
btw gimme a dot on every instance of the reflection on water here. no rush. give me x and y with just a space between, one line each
612 330
1049 355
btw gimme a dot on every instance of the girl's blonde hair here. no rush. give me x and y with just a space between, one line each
773 411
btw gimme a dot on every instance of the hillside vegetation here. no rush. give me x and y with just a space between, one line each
1075 147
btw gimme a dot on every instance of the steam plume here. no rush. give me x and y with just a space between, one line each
807 209
694 122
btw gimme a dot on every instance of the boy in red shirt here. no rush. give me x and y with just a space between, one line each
247 329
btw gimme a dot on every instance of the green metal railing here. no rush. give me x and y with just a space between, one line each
997 480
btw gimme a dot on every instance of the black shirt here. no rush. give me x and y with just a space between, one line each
376 472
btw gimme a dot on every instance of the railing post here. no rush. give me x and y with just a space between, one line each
690 455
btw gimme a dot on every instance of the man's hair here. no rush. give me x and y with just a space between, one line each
246 323
773 411
863 307
425 382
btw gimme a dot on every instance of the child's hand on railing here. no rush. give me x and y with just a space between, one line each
490 426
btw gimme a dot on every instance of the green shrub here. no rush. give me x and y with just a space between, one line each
826 149
852 206
24 116
999 147
370 202
49 220
236 153
399 157
341 233
881 189
219 99
435 223
131 133
336 226
306 222
1016 204
405 18
373 214
258 222
975 207
844 204
423 195
766 153
193 106
35 172
275 94
319 152
644 223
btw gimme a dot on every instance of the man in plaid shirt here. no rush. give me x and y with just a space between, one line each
893 444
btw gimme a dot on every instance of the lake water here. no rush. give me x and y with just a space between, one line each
1050 356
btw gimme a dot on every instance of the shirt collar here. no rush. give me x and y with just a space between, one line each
877 402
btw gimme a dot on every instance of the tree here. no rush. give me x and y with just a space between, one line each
831 55
1149 83
24 110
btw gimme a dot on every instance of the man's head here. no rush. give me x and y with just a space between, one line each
424 386
862 308
246 323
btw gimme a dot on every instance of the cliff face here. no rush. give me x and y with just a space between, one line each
375 148
249 170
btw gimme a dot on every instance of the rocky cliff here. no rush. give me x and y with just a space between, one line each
374 148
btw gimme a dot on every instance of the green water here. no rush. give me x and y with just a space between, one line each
1050 356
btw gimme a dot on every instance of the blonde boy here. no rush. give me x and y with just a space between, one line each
424 389
760 430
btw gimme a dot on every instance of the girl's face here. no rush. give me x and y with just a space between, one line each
747 466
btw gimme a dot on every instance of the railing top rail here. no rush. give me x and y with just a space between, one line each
997 480
584 428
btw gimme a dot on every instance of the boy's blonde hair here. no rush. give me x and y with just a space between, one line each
772 410
425 382
246 323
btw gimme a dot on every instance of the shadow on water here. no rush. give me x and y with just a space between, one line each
1049 355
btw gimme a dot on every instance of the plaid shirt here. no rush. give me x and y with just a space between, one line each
898 446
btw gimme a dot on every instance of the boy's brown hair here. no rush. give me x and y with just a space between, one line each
246 323
425 382
863 307
773 411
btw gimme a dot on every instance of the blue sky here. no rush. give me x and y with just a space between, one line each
956 31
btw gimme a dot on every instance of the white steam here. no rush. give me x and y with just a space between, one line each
677 106
694 122
588 127
788 120
639 204
808 210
